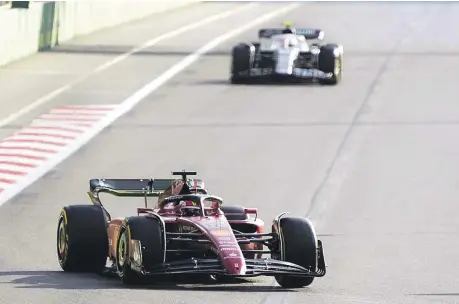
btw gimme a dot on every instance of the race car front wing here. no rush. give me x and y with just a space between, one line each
255 267
309 73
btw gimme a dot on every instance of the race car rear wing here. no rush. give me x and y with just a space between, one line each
138 187
127 188
309 34
141 187
130 187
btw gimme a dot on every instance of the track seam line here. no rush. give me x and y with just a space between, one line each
354 122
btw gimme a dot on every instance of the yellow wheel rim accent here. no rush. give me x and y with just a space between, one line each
337 66
122 249
62 243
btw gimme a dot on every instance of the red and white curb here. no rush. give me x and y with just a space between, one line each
34 146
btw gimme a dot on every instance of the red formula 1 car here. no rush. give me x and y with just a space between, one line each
189 232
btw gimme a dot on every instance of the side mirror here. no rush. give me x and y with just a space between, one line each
251 211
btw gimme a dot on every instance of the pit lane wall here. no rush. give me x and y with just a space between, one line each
25 31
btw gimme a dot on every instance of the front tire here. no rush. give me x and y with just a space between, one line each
148 231
300 247
82 240
331 62
241 61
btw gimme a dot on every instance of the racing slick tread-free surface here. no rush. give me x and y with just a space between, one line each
241 61
300 247
327 63
87 244
148 231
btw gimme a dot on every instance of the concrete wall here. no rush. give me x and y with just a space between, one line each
26 31
19 32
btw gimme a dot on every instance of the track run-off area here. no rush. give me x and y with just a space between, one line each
373 161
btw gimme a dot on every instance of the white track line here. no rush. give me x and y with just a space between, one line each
132 101
53 94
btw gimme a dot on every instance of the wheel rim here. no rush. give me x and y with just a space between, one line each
337 67
62 239
122 249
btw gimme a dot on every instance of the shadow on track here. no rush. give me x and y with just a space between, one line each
123 49
226 82
61 280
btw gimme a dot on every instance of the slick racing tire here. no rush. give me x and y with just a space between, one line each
331 61
147 230
234 209
241 61
82 241
299 244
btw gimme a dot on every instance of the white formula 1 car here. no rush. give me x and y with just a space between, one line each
284 54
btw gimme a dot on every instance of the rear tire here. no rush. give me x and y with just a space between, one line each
329 62
300 247
149 232
82 240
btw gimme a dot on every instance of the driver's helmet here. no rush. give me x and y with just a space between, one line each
289 30
190 208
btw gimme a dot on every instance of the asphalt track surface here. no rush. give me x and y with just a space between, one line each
371 161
